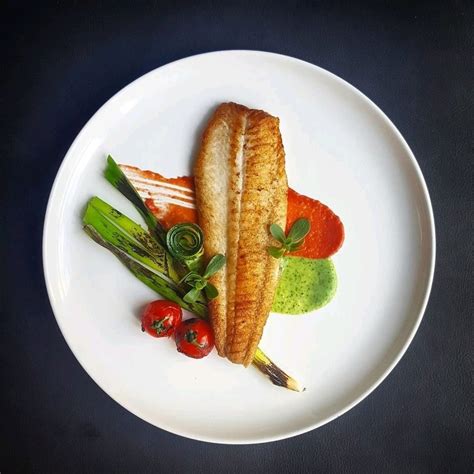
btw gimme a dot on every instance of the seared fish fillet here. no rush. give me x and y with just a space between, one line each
241 188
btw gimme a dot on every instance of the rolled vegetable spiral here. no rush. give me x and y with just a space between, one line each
185 243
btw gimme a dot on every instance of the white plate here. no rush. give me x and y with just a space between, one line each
342 150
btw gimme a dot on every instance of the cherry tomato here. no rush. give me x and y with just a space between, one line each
194 338
160 318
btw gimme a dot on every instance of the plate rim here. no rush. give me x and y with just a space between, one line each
427 290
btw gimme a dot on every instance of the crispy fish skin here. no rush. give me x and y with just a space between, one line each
263 202
220 145
241 188
278 210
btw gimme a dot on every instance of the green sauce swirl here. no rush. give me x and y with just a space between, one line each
305 285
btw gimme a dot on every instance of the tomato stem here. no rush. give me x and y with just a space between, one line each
159 325
191 337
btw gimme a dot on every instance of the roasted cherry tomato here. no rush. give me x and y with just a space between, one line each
161 317
194 338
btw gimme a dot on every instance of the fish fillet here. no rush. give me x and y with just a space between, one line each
241 188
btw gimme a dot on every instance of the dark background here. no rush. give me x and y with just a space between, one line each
63 60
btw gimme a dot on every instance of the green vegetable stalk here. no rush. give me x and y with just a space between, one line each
153 279
130 238
116 177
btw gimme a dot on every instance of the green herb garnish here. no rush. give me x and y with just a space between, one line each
291 242
200 283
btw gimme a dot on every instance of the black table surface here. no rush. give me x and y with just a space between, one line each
65 59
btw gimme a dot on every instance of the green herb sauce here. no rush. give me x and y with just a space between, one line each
305 285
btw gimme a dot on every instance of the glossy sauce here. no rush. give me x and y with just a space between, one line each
171 200
305 285
327 232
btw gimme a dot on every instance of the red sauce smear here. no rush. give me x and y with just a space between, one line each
324 239
173 215
155 195
327 231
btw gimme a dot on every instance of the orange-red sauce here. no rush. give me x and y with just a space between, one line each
327 231
164 201
324 239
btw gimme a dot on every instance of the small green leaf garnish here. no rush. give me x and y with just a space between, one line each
276 251
215 264
293 241
211 291
200 282
299 230
192 295
277 232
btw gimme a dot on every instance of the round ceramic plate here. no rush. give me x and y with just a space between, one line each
340 149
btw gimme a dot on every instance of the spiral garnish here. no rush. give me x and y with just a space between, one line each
185 243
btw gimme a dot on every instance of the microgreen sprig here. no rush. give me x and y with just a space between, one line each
200 283
291 242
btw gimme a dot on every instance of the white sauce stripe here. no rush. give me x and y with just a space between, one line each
159 200
160 191
138 178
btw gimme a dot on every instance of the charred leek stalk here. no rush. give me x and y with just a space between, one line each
116 177
130 238
130 243
273 372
